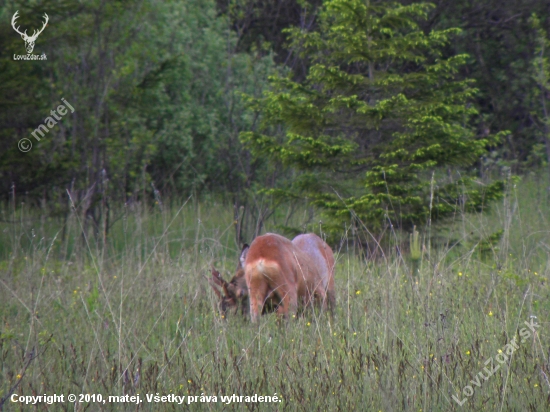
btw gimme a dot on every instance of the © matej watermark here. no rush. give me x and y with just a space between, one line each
29 40
49 122
501 358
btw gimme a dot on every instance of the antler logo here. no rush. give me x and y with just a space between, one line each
29 40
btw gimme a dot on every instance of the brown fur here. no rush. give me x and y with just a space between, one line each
288 272
321 260
281 274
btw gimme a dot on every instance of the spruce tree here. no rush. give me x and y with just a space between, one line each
381 128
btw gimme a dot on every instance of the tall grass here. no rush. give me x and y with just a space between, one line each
133 313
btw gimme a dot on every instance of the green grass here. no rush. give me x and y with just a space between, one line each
135 314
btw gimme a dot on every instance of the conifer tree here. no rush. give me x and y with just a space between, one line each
381 128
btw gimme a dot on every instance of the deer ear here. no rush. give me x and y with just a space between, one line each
242 258
215 282
216 277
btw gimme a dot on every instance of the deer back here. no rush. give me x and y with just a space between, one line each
319 255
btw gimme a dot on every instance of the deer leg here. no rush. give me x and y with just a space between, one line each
289 301
331 301
321 297
258 289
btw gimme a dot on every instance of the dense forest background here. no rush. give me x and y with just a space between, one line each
219 100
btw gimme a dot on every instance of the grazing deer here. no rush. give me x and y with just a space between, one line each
279 272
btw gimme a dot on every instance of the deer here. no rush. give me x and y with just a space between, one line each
29 40
275 273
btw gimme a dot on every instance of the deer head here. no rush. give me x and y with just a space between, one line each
29 40
232 294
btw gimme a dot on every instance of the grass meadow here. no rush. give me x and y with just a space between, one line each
134 314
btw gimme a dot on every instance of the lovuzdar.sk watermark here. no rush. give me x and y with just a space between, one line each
30 57
25 144
501 357
29 40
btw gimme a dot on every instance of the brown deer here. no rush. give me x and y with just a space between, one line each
279 273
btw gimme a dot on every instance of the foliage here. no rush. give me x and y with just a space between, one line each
499 37
541 94
138 316
261 24
199 111
156 90
380 99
